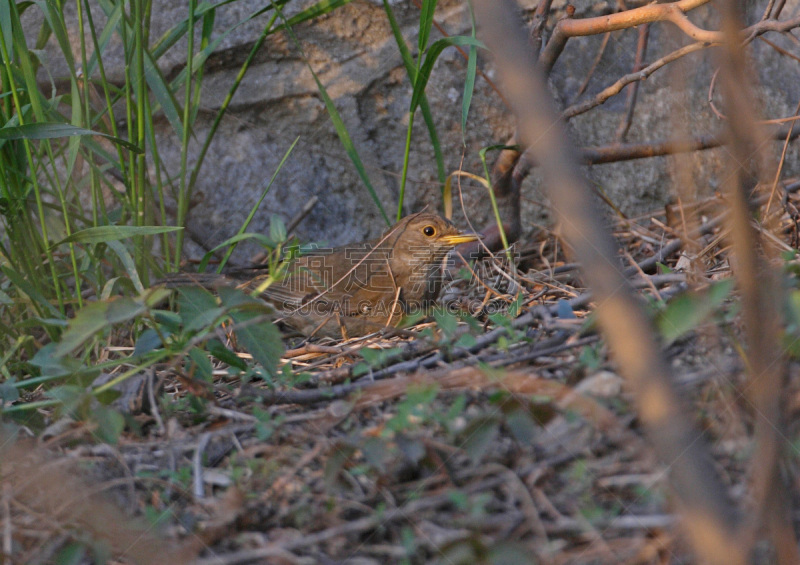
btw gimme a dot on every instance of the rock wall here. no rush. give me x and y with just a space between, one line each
355 56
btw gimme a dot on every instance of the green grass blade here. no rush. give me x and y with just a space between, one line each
104 234
425 23
469 79
162 93
38 300
105 36
318 9
411 70
5 26
422 76
341 129
176 32
495 209
56 23
184 188
255 207
430 59
51 130
127 263
228 98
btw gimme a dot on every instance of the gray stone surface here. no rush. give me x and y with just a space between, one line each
355 56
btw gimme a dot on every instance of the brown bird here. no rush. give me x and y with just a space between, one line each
358 288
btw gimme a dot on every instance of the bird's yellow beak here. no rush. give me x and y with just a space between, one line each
460 238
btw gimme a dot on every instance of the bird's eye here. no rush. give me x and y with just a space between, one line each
430 231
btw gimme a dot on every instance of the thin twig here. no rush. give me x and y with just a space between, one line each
633 90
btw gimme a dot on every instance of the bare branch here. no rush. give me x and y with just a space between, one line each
622 82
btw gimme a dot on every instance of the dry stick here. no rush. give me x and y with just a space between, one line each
327 394
647 265
768 10
553 50
778 9
509 169
383 518
781 162
593 68
670 12
683 179
633 91
5 497
630 151
760 295
538 24
674 13
710 520
305 211
592 26
634 77
61 495
779 49
617 152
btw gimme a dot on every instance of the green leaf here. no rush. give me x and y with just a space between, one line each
8 392
97 316
686 311
479 436
127 262
197 306
110 28
36 297
259 237
53 130
522 425
319 9
72 554
261 339
104 234
160 89
52 366
340 454
55 22
218 350
425 23
5 24
204 370
169 320
376 357
466 341
277 229
446 321
590 357
110 424
148 340
73 399
232 298
255 207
